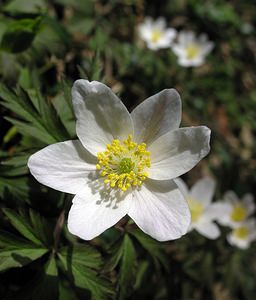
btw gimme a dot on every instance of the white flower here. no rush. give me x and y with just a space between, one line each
236 211
155 33
123 163
243 235
191 51
203 212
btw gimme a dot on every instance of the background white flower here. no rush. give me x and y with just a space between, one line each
203 211
191 51
155 33
236 210
123 163
243 235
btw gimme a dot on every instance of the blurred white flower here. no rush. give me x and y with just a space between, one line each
123 163
243 235
236 211
191 51
203 211
155 33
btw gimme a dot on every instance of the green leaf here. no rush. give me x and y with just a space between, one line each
40 119
17 187
154 248
66 292
76 261
22 226
17 252
20 34
123 256
25 6
84 255
19 257
27 129
127 268
52 38
15 166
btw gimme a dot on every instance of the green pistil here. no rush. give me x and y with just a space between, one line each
126 165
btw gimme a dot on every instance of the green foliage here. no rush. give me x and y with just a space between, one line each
34 109
81 265
20 34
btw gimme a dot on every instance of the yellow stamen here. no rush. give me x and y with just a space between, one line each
196 209
156 36
241 232
238 213
192 51
124 163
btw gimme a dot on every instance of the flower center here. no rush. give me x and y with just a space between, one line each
241 232
124 163
156 36
238 213
192 51
196 209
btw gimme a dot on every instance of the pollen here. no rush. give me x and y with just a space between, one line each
196 209
192 51
124 164
156 36
238 213
241 232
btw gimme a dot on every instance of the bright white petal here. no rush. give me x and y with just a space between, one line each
176 152
101 116
203 190
182 186
208 229
93 213
63 166
160 210
156 116
195 62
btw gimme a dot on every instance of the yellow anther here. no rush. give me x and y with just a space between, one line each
124 163
238 213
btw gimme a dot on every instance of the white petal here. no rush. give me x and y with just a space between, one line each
231 197
219 211
93 213
176 152
186 37
170 33
195 62
156 116
248 202
101 116
63 166
160 23
208 229
178 50
240 243
203 190
182 186
160 210
207 48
